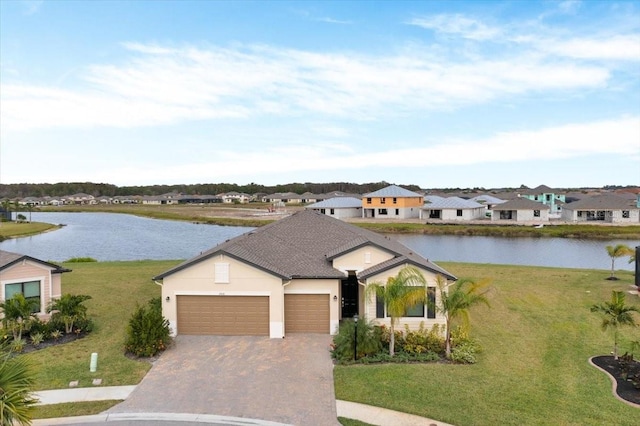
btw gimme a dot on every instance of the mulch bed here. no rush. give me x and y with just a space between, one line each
65 338
625 388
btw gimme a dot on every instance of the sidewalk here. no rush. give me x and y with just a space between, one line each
351 410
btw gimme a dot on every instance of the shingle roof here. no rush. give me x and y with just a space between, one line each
302 246
452 203
605 201
392 191
8 259
337 203
521 204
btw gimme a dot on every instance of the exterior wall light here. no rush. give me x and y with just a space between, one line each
168 298
335 298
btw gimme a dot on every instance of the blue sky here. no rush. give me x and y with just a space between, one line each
437 94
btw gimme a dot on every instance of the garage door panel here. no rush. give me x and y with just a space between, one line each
306 313
223 315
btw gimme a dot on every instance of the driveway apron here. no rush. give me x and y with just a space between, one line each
283 380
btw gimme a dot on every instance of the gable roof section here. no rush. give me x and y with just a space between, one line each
337 203
521 204
8 259
392 191
603 202
302 246
487 199
452 203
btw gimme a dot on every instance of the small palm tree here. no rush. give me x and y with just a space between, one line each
455 301
407 289
17 380
619 250
70 308
18 311
615 314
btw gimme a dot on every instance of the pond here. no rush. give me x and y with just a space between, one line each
110 236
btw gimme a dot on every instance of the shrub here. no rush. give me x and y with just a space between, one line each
56 334
148 331
37 338
17 345
80 260
343 343
464 348
422 341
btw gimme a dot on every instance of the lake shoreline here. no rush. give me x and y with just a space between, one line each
256 217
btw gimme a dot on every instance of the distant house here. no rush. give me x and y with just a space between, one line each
80 198
547 196
34 278
392 202
521 210
234 197
489 201
338 207
451 209
607 208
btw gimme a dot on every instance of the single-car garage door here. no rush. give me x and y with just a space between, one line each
223 315
306 313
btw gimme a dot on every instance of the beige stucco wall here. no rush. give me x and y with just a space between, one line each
244 280
356 260
31 271
368 304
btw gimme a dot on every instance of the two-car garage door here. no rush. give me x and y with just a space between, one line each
249 315
224 315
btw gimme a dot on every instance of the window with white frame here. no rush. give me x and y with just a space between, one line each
221 273
367 257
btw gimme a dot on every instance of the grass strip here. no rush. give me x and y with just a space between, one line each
72 409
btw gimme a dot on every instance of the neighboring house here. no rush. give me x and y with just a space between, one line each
604 208
300 274
451 209
547 196
489 201
34 278
234 197
339 207
80 198
392 202
521 210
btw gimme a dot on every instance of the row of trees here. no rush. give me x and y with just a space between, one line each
102 189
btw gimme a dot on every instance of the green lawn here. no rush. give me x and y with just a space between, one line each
115 288
536 338
15 229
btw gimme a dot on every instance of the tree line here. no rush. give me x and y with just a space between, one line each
21 190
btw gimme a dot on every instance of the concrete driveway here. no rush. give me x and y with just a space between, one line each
282 380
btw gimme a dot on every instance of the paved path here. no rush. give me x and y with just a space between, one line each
281 380
199 380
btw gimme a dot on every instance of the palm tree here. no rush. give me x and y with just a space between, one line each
18 311
455 301
615 314
407 289
16 385
70 308
619 250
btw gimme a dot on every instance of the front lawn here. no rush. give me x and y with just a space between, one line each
115 287
536 338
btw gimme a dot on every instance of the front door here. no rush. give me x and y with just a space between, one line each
349 296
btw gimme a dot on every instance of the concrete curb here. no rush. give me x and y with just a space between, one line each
381 416
157 417
351 410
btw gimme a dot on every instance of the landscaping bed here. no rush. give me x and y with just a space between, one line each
625 388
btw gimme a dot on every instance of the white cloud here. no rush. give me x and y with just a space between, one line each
622 47
457 24
167 85
608 137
